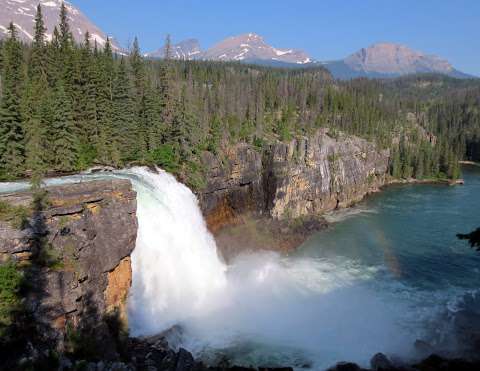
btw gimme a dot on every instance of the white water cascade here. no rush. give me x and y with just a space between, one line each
176 269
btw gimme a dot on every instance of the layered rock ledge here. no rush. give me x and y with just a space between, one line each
293 183
75 246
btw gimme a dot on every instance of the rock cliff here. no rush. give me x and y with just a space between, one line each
290 181
75 245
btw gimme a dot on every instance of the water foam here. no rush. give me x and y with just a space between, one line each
176 269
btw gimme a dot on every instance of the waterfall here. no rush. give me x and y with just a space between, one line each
176 269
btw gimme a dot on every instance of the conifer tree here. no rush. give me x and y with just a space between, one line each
138 69
65 35
104 73
153 127
167 100
34 117
38 66
65 143
124 113
12 151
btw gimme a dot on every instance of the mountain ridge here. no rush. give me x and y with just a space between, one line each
22 14
245 48
386 59
379 60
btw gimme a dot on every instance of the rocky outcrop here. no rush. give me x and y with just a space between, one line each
305 177
313 175
273 199
74 247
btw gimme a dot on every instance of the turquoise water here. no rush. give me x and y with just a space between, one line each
410 230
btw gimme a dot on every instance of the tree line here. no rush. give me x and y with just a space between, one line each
66 106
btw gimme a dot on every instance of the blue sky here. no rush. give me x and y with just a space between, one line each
327 30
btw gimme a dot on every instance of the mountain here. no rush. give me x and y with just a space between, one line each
381 60
390 60
248 48
22 14
251 47
187 49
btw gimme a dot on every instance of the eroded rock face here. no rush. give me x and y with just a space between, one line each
317 174
305 177
76 249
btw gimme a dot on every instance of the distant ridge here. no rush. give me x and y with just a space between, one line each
185 50
384 60
248 47
381 60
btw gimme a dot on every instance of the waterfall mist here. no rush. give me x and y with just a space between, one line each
263 307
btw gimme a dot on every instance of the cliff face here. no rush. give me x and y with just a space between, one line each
305 177
75 246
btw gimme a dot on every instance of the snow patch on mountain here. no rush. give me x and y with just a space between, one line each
22 14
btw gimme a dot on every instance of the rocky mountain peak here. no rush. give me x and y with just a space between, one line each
22 14
185 50
390 58
251 47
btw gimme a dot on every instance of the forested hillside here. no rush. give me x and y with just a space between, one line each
65 107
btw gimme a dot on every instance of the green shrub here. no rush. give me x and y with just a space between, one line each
10 283
50 258
195 176
17 216
258 142
166 157
86 156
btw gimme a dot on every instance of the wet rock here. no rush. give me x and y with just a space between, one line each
185 361
380 362
423 349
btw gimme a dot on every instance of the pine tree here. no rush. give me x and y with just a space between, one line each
53 56
104 72
167 100
38 66
396 164
168 48
138 69
65 35
34 117
124 114
65 143
153 126
85 104
12 150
